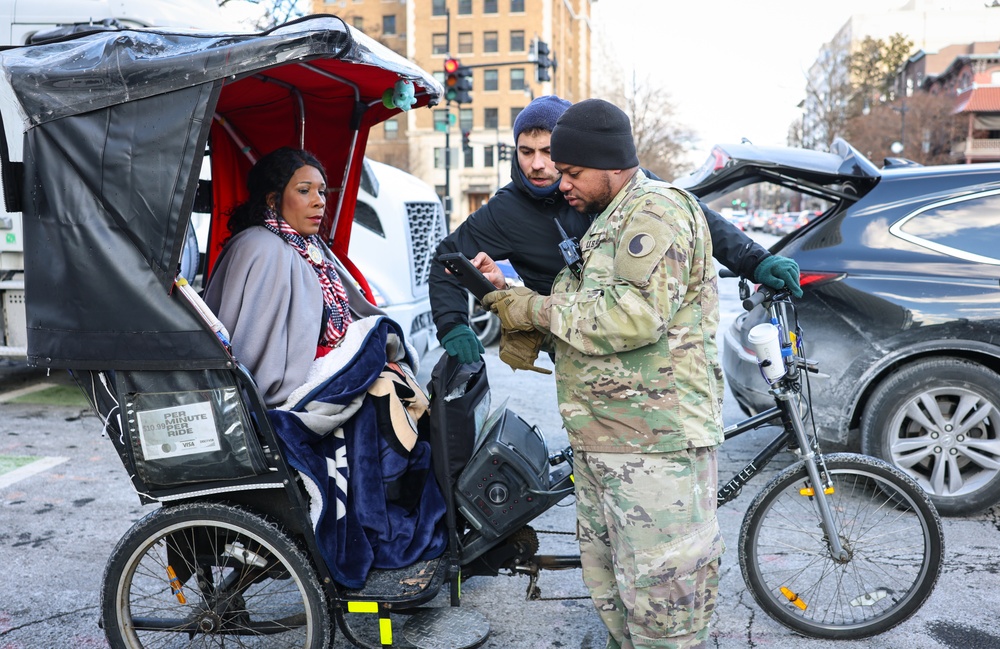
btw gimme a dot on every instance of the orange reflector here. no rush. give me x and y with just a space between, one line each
793 598
809 492
175 585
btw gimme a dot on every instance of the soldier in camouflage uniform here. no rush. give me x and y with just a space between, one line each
639 385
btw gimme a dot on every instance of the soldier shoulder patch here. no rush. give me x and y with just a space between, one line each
643 243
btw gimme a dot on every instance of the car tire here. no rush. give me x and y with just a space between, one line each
485 323
938 420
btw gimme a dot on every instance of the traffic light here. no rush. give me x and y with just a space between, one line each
542 62
505 151
457 82
465 141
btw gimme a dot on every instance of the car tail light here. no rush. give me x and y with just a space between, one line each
807 277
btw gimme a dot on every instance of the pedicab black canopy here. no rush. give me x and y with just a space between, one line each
116 129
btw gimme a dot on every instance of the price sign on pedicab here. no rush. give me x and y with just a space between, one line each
177 431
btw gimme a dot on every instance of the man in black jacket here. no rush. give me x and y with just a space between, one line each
519 224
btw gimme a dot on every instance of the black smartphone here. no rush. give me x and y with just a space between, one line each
467 274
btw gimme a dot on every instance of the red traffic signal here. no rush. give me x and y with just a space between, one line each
458 81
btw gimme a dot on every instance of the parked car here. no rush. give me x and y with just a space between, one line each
738 219
758 220
773 223
901 309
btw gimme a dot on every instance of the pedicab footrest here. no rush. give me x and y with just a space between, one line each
419 581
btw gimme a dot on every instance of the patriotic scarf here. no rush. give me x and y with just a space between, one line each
336 311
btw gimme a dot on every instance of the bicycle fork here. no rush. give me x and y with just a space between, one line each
821 488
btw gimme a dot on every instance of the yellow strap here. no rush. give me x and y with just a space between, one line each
385 631
362 607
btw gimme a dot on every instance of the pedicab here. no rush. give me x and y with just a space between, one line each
116 127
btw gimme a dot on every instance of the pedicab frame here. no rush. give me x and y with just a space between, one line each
116 126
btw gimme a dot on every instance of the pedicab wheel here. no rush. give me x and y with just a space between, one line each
210 575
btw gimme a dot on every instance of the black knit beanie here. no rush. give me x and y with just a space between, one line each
596 134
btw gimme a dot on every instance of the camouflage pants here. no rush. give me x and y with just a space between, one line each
650 544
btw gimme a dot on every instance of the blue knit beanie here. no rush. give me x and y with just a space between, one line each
540 113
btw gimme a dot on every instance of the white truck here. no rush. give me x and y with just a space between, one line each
399 219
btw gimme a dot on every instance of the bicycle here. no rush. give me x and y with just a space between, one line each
875 554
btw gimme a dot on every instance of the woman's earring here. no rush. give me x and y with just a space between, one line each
270 213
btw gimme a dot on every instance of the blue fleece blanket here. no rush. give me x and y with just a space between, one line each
356 432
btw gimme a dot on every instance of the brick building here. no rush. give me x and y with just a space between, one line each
494 39
971 74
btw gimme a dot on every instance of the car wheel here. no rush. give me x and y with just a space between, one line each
483 322
939 421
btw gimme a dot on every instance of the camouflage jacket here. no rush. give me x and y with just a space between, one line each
636 360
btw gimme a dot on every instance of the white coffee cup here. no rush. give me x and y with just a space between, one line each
764 340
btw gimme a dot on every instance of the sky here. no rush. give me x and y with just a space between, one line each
733 68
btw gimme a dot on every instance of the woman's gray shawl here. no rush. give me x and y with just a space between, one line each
271 302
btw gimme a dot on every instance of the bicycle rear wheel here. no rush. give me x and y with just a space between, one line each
887 525
211 575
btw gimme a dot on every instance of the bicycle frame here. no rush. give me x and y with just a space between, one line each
793 433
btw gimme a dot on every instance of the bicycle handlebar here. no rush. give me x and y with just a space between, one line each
757 298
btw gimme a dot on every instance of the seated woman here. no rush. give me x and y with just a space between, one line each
343 400
276 286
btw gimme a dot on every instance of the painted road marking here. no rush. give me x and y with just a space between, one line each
13 394
28 470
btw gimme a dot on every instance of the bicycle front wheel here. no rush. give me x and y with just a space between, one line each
887 525
211 575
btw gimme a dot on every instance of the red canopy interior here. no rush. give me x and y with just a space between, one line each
313 105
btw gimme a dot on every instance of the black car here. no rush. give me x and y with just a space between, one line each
901 277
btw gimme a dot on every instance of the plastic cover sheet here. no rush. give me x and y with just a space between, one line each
187 427
60 79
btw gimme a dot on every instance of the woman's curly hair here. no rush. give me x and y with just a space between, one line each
268 177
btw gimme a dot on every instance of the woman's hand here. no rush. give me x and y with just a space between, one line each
489 268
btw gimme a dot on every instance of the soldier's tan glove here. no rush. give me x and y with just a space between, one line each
519 349
514 307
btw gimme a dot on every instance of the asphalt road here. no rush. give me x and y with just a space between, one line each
57 528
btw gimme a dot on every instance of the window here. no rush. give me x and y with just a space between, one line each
968 229
490 119
490 6
517 6
464 7
490 42
439 7
491 80
465 42
517 78
465 119
517 40
366 216
441 119
514 112
358 23
391 129
467 157
439 43
389 25
487 156
439 157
